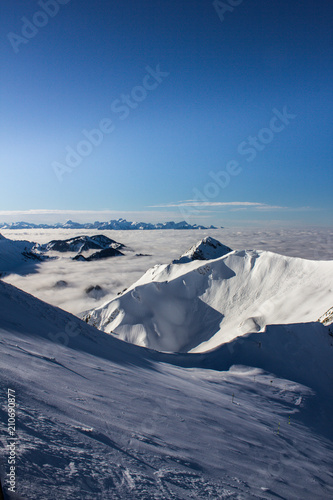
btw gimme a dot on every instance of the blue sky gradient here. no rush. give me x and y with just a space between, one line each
223 75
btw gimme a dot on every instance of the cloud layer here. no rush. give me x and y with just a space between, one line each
117 273
195 204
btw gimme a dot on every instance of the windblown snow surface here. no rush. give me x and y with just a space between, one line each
99 419
246 414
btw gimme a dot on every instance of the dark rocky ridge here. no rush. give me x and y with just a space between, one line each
81 244
102 254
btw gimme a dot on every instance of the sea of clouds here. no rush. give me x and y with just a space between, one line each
117 273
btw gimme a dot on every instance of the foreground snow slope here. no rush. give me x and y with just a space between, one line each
199 305
99 419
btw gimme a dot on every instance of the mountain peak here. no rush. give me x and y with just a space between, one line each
206 249
198 305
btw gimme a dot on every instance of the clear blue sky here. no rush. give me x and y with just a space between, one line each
222 75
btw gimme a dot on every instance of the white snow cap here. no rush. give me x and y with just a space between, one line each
198 305
206 249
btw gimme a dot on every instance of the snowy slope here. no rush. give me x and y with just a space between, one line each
201 304
14 255
98 419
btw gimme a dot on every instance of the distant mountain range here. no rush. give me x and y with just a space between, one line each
120 224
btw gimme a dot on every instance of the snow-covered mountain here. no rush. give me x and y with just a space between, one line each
101 419
81 244
16 254
21 257
106 247
120 224
206 249
198 305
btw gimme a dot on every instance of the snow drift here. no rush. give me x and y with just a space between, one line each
198 305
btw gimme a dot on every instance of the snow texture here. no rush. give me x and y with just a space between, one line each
99 419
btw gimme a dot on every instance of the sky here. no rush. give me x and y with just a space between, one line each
212 112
